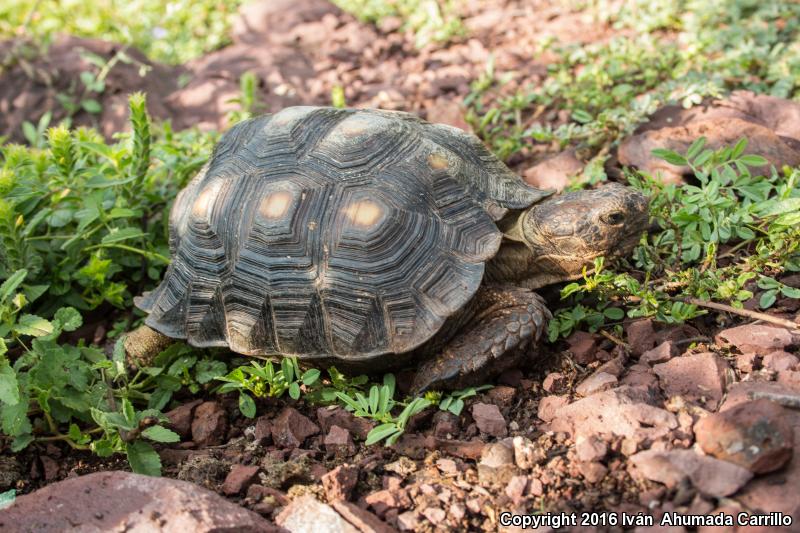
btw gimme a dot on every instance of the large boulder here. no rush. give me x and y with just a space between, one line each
769 123
121 501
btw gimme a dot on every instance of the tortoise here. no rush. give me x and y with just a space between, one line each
372 240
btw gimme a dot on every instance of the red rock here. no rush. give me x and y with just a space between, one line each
516 489
790 378
555 172
385 500
447 111
239 478
526 453
445 424
775 492
614 366
448 466
660 354
340 482
755 435
641 336
291 428
260 493
180 418
489 419
748 362
597 382
641 376
711 476
755 338
434 514
50 467
209 425
593 472
623 411
121 501
329 416
408 521
719 131
589 449
470 449
497 454
583 347
779 360
338 440
501 395
363 520
554 382
306 513
549 405
698 377
263 430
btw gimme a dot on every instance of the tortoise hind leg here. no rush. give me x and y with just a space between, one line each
511 319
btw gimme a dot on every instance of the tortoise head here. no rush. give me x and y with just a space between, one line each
566 232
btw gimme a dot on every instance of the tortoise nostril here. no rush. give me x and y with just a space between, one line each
614 218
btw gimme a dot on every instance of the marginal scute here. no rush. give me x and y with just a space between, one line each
331 234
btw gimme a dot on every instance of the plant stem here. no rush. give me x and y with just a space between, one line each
788 324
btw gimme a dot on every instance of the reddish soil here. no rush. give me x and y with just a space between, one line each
567 432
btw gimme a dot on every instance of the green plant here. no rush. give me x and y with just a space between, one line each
264 381
81 227
714 239
430 20
248 101
173 32
453 402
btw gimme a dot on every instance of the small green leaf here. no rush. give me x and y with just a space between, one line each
614 313
9 388
207 370
69 318
161 434
457 407
310 377
767 299
90 105
247 405
7 498
378 433
143 458
118 235
695 148
10 285
582 116
33 325
753 160
669 156
294 390
790 292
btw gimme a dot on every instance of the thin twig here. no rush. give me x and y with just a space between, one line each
788 324
786 400
615 340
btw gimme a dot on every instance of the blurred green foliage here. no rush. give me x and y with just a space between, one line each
429 20
170 32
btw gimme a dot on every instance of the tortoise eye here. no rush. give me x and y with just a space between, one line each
614 218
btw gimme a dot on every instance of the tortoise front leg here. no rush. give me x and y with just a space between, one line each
510 319
143 344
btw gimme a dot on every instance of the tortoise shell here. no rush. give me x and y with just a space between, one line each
331 233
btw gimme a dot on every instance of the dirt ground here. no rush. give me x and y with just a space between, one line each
590 424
